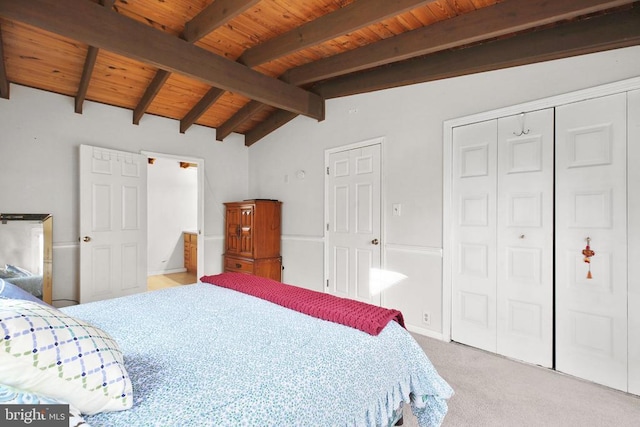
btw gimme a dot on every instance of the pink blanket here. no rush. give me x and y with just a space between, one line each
366 317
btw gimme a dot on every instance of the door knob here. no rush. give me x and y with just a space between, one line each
375 241
86 238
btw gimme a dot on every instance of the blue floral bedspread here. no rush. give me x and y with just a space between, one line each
200 355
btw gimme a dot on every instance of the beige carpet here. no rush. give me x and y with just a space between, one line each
494 391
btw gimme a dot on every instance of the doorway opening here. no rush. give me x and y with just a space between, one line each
175 220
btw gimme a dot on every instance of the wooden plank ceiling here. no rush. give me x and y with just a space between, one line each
250 66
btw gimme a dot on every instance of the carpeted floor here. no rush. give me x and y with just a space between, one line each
494 391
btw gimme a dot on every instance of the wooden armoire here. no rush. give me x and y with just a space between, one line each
252 239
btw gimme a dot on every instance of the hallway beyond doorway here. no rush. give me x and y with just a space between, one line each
161 281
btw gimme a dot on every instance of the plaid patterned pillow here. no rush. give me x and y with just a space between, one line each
45 351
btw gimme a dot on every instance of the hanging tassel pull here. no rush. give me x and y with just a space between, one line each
588 253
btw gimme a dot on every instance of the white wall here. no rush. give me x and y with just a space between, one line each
411 121
39 139
172 203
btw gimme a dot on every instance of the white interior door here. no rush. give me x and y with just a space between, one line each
113 223
525 237
473 275
591 314
354 226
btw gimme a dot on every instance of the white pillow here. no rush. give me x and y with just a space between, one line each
45 351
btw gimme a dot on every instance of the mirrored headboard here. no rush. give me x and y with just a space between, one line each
26 258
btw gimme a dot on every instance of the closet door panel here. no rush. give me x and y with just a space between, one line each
474 235
633 192
591 195
525 237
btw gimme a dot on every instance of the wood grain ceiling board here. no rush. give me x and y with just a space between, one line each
37 58
117 80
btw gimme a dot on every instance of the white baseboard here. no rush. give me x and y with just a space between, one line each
426 332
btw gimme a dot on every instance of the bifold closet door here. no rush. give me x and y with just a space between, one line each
525 237
473 284
591 209
502 280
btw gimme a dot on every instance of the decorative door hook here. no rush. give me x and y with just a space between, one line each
522 131
588 253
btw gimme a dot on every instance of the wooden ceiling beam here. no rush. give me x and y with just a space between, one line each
149 94
213 16
500 19
216 14
276 120
4 81
244 114
90 23
200 108
595 34
350 18
87 70
605 32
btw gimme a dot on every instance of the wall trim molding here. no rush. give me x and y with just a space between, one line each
420 250
302 238
214 237
65 245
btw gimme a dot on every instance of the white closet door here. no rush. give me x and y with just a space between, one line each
473 273
525 237
633 192
591 314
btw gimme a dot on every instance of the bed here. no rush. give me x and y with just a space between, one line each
209 355
23 278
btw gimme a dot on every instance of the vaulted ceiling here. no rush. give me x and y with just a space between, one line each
251 66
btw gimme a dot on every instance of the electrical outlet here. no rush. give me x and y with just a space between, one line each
426 318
